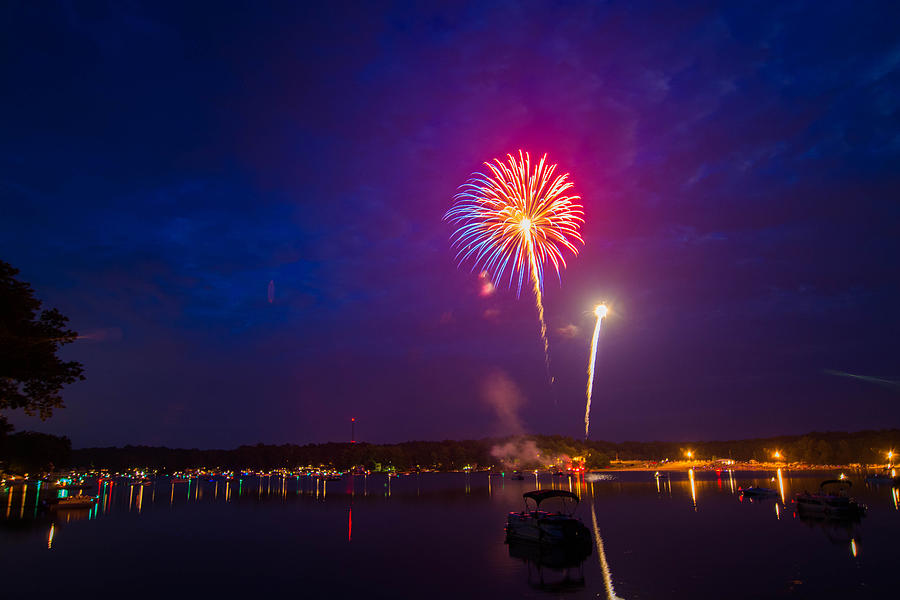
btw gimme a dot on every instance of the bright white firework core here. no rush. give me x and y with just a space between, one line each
601 310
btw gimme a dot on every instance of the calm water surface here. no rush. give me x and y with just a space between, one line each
442 536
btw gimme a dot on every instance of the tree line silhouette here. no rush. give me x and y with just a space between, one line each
30 452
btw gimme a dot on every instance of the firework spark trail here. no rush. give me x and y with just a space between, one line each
517 216
600 311
538 299
888 383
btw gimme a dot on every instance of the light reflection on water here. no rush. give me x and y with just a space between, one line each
693 488
601 556
689 528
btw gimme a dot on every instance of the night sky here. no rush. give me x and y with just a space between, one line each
160 164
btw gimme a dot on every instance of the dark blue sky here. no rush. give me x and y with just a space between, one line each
160 163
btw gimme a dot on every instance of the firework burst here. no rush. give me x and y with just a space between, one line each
514 218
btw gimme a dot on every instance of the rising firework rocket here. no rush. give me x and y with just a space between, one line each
516 217
600 311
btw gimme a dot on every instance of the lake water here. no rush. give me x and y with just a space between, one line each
441 535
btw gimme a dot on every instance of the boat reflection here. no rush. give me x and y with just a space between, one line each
839 531
663 483
552 568
74 514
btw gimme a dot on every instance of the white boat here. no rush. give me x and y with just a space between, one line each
74 502
543 527
759 493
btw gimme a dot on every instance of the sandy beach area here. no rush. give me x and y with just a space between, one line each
651 467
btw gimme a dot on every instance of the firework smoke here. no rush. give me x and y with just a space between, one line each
504 396
518 453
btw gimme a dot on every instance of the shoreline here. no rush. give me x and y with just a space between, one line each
684 466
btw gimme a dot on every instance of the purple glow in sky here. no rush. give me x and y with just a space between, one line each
160 165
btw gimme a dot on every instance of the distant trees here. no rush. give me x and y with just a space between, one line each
819 448
596 460
868 447
31 452
31 373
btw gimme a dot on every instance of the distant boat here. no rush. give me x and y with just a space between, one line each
758 493
537 526
661 476
517 475
882 479
73 502
74 485
832 501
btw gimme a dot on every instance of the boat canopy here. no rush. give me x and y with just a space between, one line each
846 482
540 495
